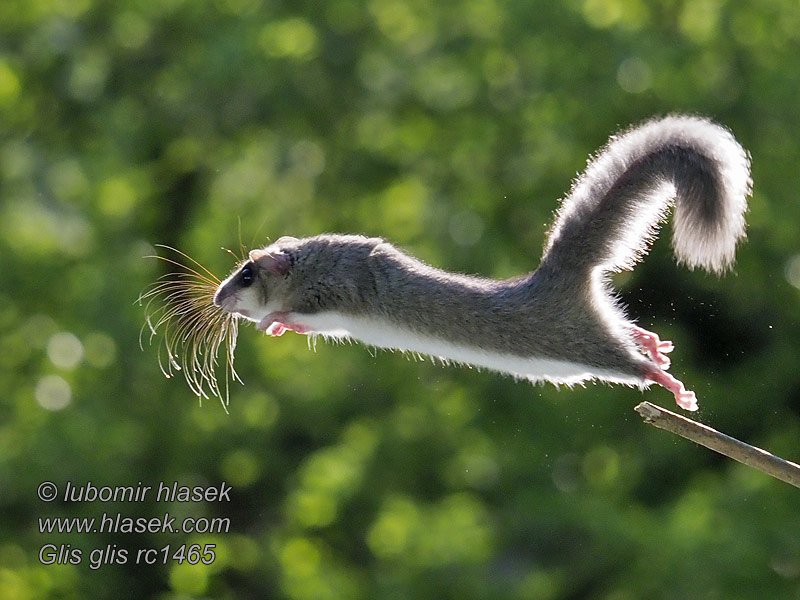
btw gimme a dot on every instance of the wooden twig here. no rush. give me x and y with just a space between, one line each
719 442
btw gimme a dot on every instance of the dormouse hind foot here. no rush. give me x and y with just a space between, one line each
653 346
656 349
686 399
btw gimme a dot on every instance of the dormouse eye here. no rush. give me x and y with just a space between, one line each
247 276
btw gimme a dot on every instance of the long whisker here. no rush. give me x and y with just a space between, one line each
180 307
211 278
189 258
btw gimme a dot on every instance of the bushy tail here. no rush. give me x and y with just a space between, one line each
614 208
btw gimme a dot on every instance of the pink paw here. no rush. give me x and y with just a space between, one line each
273 324
654 346
276 329
684 398
278 323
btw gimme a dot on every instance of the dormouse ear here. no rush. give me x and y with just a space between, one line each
274 262
286 238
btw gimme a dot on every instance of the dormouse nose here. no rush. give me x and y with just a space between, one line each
219 296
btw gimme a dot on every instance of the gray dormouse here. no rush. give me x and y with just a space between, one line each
560 323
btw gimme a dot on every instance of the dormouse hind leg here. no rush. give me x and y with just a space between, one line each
654 346
684 398
657 348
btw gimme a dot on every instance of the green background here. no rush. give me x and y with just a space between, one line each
449 128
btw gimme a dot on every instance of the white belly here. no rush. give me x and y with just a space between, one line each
382 334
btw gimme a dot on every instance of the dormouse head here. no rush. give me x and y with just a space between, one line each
253 290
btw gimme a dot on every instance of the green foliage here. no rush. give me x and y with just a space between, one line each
450 128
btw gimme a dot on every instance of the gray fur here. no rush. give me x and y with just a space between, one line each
564 310
613 209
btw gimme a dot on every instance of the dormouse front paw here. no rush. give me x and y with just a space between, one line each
273 324
276 329
278 323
